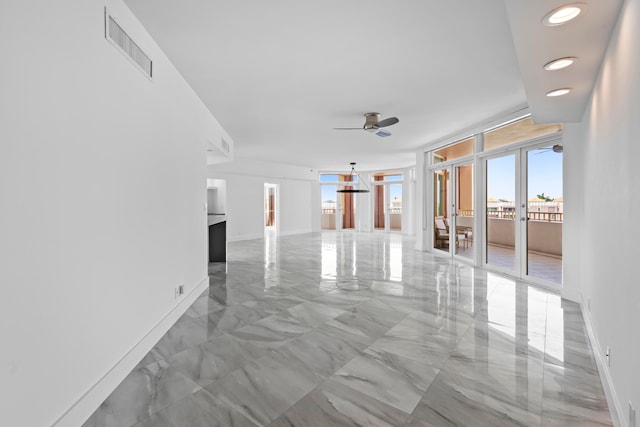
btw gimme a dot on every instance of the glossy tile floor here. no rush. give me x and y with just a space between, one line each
348 329
541 266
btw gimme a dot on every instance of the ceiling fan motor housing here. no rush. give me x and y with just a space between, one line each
371 122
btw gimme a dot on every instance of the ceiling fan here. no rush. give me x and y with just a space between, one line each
373 124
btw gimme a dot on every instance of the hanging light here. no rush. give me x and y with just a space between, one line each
354 190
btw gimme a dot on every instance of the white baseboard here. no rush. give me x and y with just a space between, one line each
615 409
78 413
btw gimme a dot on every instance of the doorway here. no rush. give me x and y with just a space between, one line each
454 209
387 201
524 213
270 206
338 209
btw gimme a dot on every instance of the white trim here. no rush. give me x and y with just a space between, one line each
615 408
537 141
82 409
468 159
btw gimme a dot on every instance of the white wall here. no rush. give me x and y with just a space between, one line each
364 205
408 195
420 204
298 197
609 140
103 187
216 196
573 227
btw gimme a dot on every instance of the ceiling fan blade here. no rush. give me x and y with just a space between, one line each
347 128
383 132
388 122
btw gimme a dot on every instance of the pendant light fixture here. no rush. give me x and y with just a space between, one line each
354 190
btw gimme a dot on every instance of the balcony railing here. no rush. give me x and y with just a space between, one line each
533 216
545 216
392 211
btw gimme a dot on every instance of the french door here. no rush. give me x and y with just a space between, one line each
454 213
338 209
523 213
387 206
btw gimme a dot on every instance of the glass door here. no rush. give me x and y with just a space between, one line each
441 202
387 203
524 213
500 220
329 206
453 223
395 207
544 213
463 210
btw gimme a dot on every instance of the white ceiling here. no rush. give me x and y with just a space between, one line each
585 38
279 75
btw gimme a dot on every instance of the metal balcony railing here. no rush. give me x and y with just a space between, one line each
533 216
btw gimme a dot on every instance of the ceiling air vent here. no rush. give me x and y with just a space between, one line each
225 145
118 37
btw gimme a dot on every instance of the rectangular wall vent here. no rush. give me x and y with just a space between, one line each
225 145
119 38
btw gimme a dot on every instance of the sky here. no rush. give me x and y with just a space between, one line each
545 175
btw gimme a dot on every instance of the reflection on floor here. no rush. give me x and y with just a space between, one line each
346 329
540 266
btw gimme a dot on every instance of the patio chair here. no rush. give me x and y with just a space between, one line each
442 233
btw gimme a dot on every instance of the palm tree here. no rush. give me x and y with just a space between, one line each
545 198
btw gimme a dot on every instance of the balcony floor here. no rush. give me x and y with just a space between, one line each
548 268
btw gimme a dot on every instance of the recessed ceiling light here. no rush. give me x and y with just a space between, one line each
559 92
563 14
559 64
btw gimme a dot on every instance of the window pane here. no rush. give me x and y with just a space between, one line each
501 209
464 210
454 151
521 130
395 207
338 177
441 216
544 214
329 197
328 178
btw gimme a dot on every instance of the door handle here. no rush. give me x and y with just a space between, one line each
522 218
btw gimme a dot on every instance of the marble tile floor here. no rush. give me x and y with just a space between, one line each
360 329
